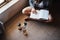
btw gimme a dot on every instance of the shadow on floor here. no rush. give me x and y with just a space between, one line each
3 36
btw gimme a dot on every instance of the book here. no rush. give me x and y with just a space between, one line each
41 14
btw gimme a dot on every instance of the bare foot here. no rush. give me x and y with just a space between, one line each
49 19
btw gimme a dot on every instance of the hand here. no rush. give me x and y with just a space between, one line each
33 10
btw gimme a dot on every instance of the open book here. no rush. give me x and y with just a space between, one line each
41 14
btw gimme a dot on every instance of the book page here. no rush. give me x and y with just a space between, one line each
34 15
41 14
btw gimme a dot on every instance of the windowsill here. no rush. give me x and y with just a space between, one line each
5 7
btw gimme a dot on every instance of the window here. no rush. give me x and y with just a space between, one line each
6 4
3 2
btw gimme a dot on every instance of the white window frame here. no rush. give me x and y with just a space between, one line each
1 1
8 5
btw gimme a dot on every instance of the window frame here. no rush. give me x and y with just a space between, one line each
4 3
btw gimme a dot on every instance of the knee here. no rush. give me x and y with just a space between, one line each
26 10
23 11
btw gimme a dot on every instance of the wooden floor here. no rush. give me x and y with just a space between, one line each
36 30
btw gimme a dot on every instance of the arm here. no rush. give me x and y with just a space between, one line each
46 3
31 3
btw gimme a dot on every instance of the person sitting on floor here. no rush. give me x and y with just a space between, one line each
37 5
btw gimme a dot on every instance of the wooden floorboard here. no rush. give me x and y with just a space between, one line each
36 30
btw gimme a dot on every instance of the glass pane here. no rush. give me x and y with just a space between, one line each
1 1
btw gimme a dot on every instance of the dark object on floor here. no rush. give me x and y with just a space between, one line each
20 28
25 33
25 23
19 25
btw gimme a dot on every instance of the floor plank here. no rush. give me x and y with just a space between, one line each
36 30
